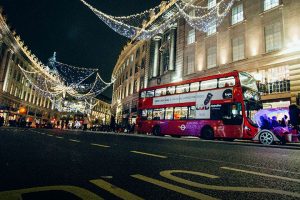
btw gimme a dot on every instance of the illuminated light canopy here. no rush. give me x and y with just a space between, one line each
82 84
135 26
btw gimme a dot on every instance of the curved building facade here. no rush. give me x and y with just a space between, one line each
129 73
20 98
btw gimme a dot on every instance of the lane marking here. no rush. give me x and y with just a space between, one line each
99 145
232 163
168 174
119 192
148 154
175 188
77 191
261 174
74 140
59 137
49 135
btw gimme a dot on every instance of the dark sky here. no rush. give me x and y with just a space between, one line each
68 27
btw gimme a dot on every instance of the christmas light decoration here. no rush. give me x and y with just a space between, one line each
135 26
71 82
203 18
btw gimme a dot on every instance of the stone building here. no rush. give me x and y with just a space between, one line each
16 93
261 37
129 73
20 98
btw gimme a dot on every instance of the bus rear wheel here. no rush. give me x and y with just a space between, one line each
207 133
156 131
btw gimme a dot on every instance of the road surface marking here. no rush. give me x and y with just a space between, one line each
74 140
59 137
262 174
119 192
77 191
49 135
149 154
231 163
175 188
99 145
168 174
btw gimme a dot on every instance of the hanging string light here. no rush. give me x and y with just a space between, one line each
133 26
203 18
56 90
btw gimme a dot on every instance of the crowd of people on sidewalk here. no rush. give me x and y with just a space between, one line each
292 121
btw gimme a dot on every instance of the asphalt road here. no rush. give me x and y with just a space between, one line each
53 164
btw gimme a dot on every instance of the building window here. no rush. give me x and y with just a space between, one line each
268 4
131 57
192 13
238 48
190 65
237 14
211 3
211 57
191 36
273 37
212 28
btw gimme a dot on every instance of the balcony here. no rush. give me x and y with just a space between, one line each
274 87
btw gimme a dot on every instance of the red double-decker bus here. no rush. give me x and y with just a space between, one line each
219 106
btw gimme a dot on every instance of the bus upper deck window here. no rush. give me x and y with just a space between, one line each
150 93
143 94
209 84
171 90
226 82
194 86
160 92
182 88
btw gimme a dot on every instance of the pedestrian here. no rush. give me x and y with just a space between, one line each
274 123
112 124
1 121
85 123
284 121
264 123
62 125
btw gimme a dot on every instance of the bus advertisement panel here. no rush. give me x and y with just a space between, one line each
218 106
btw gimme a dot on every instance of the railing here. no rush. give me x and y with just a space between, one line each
275 87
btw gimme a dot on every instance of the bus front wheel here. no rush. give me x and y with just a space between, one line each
156 131
207 133
266 137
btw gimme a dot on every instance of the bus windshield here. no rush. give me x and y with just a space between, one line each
248 81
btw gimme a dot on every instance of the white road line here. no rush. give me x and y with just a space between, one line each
231 163
100 145
59 137
261 174
74 140
49 135
148 154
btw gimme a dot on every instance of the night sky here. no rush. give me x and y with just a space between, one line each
68 27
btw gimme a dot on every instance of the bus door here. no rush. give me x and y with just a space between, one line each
231 116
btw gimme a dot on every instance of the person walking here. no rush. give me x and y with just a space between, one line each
1 121
85 123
